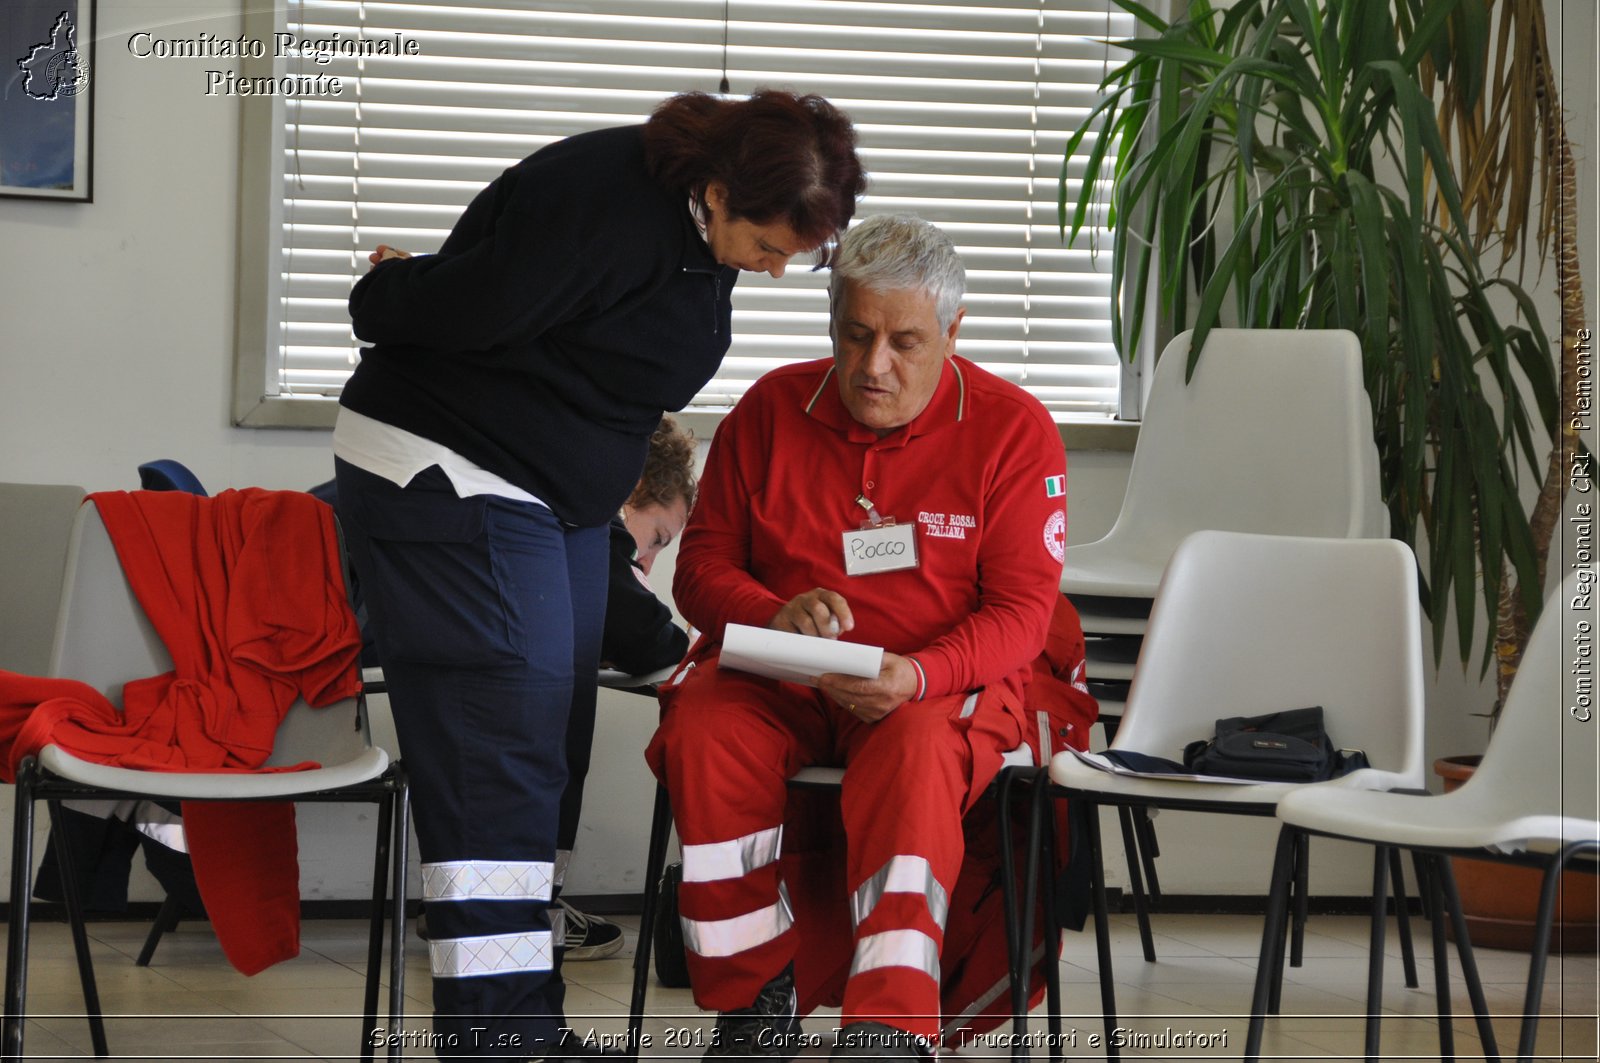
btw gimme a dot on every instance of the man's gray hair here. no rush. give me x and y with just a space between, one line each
901 252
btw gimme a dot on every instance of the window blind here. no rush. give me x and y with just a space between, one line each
962 111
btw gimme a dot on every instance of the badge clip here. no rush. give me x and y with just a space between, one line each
874 519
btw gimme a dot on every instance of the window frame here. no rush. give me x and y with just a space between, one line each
259 288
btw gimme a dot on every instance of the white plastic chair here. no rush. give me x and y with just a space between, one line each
1532 801
1250 624
104 639
35 524
1273 434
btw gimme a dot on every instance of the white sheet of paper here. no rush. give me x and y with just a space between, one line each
795 658
1100 763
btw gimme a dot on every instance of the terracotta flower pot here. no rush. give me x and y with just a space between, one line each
1501 901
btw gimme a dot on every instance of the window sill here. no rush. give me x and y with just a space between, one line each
320 413
1075 435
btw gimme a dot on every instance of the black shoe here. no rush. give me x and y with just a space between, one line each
767 1029
876 1040
589 937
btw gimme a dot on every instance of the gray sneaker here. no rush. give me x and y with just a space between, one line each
767 1029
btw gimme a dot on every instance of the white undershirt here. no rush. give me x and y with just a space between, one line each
398 455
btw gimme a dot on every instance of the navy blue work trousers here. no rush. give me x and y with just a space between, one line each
487 614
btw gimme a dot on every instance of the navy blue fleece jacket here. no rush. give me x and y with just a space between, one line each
571 305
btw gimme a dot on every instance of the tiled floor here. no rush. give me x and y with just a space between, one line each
191 1005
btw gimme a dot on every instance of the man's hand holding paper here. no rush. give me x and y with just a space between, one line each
826 614
818 612
873 699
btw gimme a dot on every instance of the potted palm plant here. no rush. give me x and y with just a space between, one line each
1284 163
1500 110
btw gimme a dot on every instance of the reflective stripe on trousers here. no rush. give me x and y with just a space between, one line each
495 954
735 858
487 880
901 874
897 948
728 937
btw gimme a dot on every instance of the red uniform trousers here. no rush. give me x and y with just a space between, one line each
727 745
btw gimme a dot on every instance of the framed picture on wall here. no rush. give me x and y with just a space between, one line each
47 99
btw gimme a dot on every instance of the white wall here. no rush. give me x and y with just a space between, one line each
116 327
116 317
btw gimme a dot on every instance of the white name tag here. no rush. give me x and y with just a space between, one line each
885 549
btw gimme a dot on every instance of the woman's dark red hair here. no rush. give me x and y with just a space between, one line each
781 156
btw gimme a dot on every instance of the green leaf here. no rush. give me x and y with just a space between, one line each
1143 14
1366 215
1535 356
1494 502
1415 337
1189 55
1345 274
1205 317
1110 133
1442 535
1470 41
1524 558
1421 134
1091 174
1430 30
1463 572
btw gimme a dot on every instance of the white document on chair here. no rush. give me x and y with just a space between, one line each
795 658
1100 763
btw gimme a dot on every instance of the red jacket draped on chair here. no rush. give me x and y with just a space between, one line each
246 591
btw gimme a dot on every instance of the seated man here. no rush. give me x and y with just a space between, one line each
791 532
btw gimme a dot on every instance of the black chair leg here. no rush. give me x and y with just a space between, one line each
1136 882
1269 964
1539 957
380 897
1090 819
21 897
1144 827
1016 952
80 934
1402 916
1302 883
1542 925
1019 920
1044 810
1428 887
1380 926
1422 865
1295 891
166 919
1469 963
400 848
655 861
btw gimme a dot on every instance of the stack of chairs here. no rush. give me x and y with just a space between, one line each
1271 434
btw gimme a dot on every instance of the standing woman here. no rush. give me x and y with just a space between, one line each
494 426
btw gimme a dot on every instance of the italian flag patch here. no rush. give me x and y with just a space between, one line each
1055 486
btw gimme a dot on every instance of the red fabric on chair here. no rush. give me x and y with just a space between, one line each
246 591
